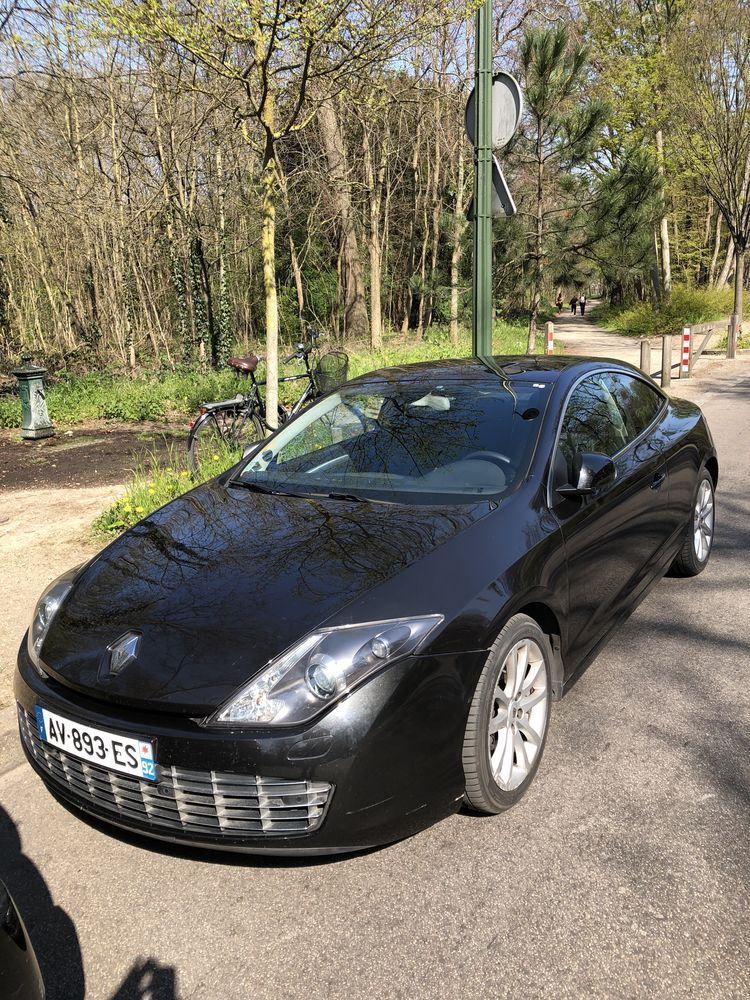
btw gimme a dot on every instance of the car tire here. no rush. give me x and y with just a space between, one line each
508 719
698 534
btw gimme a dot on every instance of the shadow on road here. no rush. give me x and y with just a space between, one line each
52 932
148 980
54 936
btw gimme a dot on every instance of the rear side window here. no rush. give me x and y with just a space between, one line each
637 401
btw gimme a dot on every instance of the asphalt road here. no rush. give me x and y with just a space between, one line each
624 872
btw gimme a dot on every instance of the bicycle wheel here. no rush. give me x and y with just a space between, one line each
219 438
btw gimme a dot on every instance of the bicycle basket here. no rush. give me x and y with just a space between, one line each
332 370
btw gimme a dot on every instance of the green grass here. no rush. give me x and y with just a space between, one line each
168 395
686 307
154 482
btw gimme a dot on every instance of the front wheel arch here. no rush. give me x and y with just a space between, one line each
549 623
712 468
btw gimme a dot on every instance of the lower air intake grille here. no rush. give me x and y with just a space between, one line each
208 802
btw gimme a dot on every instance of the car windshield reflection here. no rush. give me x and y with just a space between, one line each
414 442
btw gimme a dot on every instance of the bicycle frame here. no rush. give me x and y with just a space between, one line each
309 393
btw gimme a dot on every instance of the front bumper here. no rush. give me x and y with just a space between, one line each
381 765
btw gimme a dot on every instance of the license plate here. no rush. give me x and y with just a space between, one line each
110 750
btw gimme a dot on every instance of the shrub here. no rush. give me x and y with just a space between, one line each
686 307
10 412
161 395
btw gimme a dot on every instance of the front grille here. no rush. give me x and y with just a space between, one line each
209 802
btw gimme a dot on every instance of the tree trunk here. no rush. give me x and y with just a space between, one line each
656 270
538 243
459 224
355 314
437 213
414 210
222 343
666 259
269 182
298 286
717 247
423 254
739 280
375 181
726 270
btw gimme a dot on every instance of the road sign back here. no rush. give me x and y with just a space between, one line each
507 107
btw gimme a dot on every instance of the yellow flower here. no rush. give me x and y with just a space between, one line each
152 485
215 458
184 473
127 508
152 491
125 498
170 469
139 510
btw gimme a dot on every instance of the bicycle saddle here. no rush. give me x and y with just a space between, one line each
246 364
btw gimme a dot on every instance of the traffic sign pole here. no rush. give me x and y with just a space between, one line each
482 271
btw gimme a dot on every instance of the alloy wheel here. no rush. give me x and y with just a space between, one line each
703 521
519 714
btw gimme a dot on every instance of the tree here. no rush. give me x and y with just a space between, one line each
561 125
712 92
288 61
632 49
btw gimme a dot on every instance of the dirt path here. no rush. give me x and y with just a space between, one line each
42 533
579 335
94 454
50 493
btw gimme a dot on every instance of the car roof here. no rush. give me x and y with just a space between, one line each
508 367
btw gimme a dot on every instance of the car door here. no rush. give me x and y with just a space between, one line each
611 538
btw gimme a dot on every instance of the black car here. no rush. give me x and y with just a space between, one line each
20 978
364 624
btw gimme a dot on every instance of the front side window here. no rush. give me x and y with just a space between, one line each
592 422
415 442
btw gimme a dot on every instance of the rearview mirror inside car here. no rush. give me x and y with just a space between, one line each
591 474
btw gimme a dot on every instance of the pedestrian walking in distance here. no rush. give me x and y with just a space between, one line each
573 304
559 301
582 303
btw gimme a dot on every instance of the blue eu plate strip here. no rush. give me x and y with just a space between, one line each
40 723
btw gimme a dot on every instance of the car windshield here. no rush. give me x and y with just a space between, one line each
408 442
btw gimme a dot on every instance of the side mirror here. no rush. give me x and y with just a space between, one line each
252 449
591 474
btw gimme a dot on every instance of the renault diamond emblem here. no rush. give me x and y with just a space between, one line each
123 652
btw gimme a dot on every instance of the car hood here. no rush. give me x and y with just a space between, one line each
222 580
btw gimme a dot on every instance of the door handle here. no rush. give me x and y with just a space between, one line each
658 479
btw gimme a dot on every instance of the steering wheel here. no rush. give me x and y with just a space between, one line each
491 456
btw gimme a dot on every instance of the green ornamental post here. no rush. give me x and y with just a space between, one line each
35 421
482 283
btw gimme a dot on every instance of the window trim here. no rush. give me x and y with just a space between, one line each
551 503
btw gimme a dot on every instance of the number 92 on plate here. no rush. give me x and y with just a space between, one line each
111 750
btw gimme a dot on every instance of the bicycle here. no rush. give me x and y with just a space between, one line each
223 431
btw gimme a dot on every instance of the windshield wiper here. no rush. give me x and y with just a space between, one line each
268 490
347 496
250 485
256 487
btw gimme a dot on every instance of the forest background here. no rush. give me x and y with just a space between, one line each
179 180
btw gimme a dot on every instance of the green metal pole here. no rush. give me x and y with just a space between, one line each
482 290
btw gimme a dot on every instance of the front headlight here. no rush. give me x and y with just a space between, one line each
46 608
323 667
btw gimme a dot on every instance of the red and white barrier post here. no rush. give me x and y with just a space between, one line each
550 338
686 351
